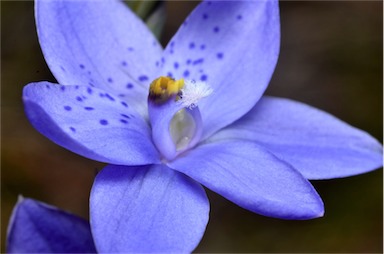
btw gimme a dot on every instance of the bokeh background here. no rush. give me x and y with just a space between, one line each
331 58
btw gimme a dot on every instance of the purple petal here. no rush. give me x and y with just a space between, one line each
231 45
316 143
252 178
98 43
39 228
147 209
90 122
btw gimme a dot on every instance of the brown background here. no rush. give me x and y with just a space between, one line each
331 58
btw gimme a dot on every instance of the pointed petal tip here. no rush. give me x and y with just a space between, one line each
20 198
321 214
311 211
318 211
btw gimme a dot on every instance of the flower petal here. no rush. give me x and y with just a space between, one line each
147 209
98 43
316 143
231 45
252 178
39 228
90 122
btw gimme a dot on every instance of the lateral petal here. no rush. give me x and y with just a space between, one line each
98 43
90 122
147 209
316 143
252 178
231 45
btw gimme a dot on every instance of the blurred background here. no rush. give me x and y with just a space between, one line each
331 58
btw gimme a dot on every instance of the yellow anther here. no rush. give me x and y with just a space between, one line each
163 88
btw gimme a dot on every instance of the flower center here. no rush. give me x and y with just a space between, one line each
182 129
174 115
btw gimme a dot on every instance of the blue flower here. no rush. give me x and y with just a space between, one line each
36 227
210 125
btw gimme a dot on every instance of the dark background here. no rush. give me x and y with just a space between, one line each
331 58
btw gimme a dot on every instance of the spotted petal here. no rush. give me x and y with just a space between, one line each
90 122
98 43
39 228
252 178
316 143
147 209
231 45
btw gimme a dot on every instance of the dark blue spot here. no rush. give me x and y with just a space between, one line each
131 49
202 46
110 97
72 129
62 88
123 121
82 66
198 61
78 98
239 17
143 78
121 95
220 55
186 73
89 90
203 77
89 108
124 104
216 29
171 51
83 97
205 16
101 95
47 86
176 65
91 84
172 44
124 115
157 63
191 45
129 86
162 60
170 74
188 61
89 72
124 63
110 80
62 68
68 108
103 122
